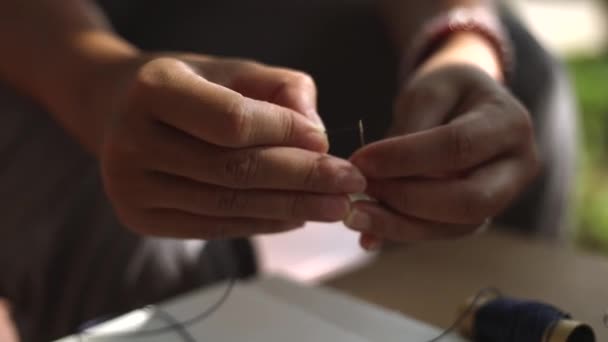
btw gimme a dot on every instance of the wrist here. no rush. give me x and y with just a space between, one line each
462 35
98 72
467 48
104 62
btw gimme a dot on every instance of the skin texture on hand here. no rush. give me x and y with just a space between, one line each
189 145
8 332
147 120
214 148
460 149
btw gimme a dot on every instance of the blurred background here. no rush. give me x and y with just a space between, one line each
577 32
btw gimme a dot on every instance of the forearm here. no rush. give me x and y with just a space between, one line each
58 52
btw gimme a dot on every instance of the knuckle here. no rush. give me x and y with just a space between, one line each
240 65
230 201
316 171
289 79
522 126
302 79
155 74
287 126
240 170
461 145
239 122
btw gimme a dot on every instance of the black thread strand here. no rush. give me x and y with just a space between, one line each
180 327
501 319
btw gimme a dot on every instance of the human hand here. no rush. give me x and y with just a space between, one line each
215 148
8 332
461 148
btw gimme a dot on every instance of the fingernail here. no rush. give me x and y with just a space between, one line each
316 125
359 221
350 180
374 244
316 118
334 209
317 140
360 197
321 127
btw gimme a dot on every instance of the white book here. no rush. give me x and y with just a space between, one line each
269 310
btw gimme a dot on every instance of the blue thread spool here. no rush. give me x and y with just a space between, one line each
493 318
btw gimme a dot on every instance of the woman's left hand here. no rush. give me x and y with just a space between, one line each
460 149
8 331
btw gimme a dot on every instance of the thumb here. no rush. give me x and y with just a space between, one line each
427 101
293 89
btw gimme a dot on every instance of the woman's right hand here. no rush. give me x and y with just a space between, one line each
215 148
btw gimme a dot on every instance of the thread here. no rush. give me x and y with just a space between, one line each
468 311
188 337
180 328
174 325
502 319
488 317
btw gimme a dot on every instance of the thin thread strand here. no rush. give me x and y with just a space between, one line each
469 310
177 325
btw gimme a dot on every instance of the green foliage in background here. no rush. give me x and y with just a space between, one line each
590 76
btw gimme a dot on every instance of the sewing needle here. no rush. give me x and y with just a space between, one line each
361 133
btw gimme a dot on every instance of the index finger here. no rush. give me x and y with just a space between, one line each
457 146
180 98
